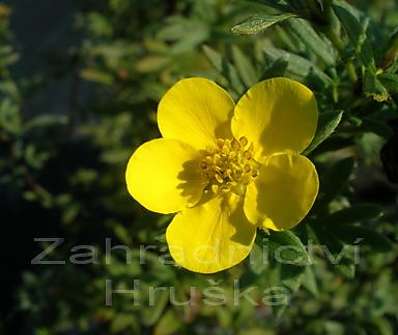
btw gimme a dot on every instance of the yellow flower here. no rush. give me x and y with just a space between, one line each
227 169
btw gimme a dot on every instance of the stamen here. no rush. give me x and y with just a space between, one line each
243 141
235 145
247 154
230 166
215 188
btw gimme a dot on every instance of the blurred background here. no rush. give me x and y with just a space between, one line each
79 87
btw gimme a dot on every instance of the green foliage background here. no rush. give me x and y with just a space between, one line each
77 100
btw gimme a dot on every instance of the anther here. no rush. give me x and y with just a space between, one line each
229 166
246 179
243 141
215 188
235 145
219 178
220 142
204 165
247 154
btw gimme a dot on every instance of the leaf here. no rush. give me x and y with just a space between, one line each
291 276
151 64
122 322
312 40
245 68
352 234
46 120
377 127
259 23
214 58
325 237
226 69
327 124
309 281
333 249
374 88
186 33
334 327
255 331
357 33
289 258
10 117
389 81
287 248
357 213
257 262
168 324
98 76
277 4
152 314
298 66
336 179
346 268
276 68
383 325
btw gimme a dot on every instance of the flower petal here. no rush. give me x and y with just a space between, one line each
196 111
213 236
283 193
276 115
164 176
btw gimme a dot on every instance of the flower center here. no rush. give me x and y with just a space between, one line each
230 166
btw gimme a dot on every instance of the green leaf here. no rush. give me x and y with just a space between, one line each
389 81
309 281
298 66
352 234
46 120
214 58
287 248
245 68
383 325
226 69
98 76
357 33
254 331
276 68
333 249
122 322
259 23
186 33
327 124
257 262
10 117
168 324
277 4
152 64
152 314
292 276
346 268
374 88
336 179
357 213
334 328
312 40
377 127
324 237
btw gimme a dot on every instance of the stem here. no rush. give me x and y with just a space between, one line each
352 73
